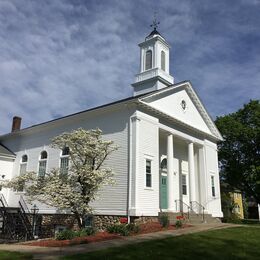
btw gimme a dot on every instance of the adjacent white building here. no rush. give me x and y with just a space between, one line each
168 154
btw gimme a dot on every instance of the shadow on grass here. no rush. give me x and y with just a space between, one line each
6 255
232 243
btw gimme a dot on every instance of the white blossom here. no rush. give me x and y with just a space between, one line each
86 174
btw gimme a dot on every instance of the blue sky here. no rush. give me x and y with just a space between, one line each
59 57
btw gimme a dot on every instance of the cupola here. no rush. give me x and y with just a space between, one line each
154 64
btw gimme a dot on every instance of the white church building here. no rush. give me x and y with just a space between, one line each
167 158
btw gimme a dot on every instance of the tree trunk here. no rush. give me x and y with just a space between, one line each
79 220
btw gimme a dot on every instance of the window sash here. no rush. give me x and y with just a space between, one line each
64 165
23 168
24 158
184 184
148 180
42 168
148 173
213 187
148 60
163 60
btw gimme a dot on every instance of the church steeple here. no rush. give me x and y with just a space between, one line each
154 63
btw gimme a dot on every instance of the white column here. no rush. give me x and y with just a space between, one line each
170 177
203 177
191 172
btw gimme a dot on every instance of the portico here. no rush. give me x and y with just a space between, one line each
182 171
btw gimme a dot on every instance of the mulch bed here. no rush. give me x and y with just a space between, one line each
156 227
101 236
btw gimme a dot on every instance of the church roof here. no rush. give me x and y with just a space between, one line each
4 151
138 99
154 32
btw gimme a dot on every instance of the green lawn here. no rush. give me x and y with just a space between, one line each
5 255
231 243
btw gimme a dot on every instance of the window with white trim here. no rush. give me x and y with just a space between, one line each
148 173
164 164
23 169
148 59
184 184
213 192
64 161
163 60
42 164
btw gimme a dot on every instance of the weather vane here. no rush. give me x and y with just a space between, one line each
155 23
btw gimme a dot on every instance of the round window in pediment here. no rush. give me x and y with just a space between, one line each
183 104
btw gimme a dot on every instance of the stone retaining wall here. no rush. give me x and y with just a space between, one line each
48 223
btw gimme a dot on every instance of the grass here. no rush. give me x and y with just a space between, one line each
232 243
6 255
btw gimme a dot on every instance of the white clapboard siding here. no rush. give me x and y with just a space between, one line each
114 124
149 149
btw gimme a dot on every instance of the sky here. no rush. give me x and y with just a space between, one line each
59 57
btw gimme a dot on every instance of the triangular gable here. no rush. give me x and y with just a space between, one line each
181 103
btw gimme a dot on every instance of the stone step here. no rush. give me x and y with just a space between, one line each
193 218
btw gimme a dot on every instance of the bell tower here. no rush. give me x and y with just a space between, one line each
154 64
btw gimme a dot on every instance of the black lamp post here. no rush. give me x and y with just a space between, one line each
34 211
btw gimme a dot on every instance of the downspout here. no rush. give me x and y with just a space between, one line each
130 170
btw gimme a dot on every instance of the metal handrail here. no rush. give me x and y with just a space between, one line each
198 205
23 214
26 224
8 220
181 208
23 204
3 200
11 227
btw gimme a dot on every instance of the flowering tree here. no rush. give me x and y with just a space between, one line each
86 174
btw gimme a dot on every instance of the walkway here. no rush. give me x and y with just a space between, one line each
55 253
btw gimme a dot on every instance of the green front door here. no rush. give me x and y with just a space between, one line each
164 202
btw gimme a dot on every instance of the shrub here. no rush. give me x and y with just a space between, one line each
250 221
70 234
65 234
88 231
232 218
132 227
164 220
118 229
123 229
178 223
85 232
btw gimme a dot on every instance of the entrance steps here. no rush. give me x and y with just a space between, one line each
191 217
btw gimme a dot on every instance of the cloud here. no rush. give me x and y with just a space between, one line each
60 57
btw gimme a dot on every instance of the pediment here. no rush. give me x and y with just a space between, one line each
182 103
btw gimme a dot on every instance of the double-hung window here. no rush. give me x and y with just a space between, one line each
148 175
64 161
23 168
148 60
163 60
213 192
184 184
42 164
